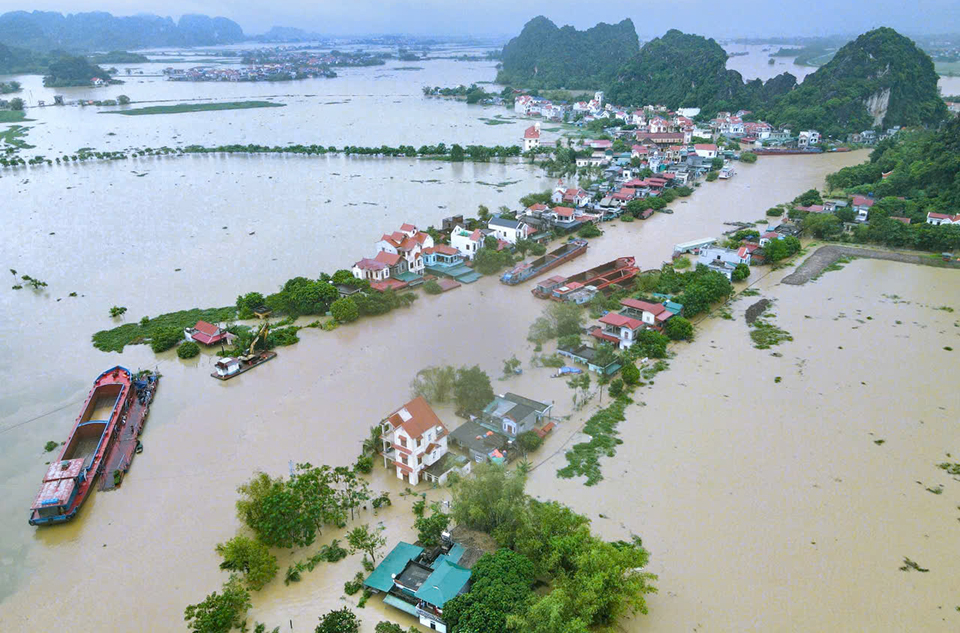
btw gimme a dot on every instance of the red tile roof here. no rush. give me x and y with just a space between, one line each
390 259
370 264
706 147
863 201
416 418
443 249
207 328
531 132
407 227
618 320
566 212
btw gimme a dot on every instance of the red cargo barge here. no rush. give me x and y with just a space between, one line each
600 279
105 433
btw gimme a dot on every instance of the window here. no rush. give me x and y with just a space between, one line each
403 441
419 441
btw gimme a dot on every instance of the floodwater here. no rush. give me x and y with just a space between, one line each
726 475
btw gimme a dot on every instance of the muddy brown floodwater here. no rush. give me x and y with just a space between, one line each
765 506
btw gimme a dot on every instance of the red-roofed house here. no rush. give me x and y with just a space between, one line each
467 242
531 137
413 439
942 218
371 270
618 329
650 314
409 243
706 150
575 196
207 333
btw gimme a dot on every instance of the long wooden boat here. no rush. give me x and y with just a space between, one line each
116 402
599 277
528 270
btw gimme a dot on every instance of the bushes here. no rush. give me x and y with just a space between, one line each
776 250
741 272
251 557
432 287
748 157
630 374
616 388
678 328
430 528
364 464
219 613
774 212
651 344
339 621
345 310
529 441
188 349
712 176
166 338
684 191
589 230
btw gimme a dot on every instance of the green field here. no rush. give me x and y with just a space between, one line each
12 116
197 107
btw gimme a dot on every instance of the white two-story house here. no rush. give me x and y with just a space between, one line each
408 243
507 230
617 329
467 242
413 438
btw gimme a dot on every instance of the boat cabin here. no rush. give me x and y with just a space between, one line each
227 366
59 488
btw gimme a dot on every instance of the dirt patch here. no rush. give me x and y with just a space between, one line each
825 256
754 311
477 544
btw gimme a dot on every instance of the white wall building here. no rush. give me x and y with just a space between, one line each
507 230
413 439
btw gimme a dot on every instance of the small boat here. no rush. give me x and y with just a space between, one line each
115 409
727 173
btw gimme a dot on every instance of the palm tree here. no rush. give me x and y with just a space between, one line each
372 444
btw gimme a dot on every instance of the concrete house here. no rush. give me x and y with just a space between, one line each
531 137
618 330
653 315
937 219
861 206
371 270
467 242
706 150
414 438
723 260
507 230
513 415
409 243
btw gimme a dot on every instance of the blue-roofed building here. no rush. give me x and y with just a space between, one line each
421 582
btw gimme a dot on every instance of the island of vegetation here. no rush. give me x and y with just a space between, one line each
73 71
118 57
545 56
197 107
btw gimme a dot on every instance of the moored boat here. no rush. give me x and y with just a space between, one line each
527 270
590 281
93 441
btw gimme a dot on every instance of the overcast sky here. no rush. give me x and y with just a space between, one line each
505 17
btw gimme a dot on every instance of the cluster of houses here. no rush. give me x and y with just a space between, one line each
415 440
259 72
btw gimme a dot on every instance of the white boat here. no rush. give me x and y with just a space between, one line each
726 173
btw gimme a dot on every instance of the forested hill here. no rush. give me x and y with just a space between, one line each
681 70
83 32
881 79
545 56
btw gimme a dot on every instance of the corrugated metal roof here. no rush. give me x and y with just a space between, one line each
444 584
382 577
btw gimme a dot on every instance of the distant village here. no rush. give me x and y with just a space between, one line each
276 65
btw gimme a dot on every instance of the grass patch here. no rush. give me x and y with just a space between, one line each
950 468
409 68
489 121
584 458
13 136
116 339
837 265
498 185
12 116
198 107
765 334
750 292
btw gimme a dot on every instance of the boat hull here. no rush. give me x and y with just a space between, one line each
69 480
565 253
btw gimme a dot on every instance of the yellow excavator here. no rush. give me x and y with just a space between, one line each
261 333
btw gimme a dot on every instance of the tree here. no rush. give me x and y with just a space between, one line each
345 310
491 501
188 349
117 311
678 328
748 157
501 587
483 214
363 539
605 355
249 302
822 225
432 287
436 384
510 366
568 318
529 441
808 198
589 230
616 388
775 250
16 104
430 528
712 176
740 272
250 557
581 386
219 612
472 390
541 330
456 153
339 621
716 163
123 100
630 374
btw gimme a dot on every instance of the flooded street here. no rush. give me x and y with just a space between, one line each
766 506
